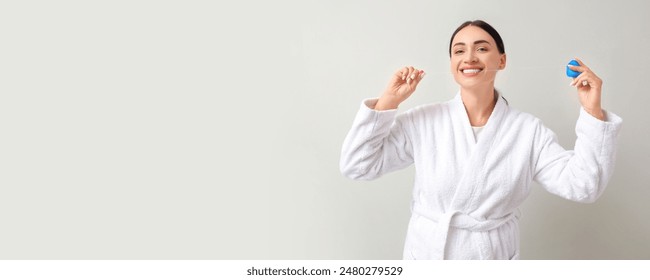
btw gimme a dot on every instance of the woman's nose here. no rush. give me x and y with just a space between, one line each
471 57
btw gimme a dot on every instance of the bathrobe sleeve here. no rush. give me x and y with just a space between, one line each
376 144
581 174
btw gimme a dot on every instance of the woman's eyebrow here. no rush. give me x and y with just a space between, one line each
480 42
475 42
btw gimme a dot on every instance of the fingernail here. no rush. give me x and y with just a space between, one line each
403 77
412 76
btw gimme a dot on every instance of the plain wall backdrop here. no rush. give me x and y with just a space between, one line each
213 129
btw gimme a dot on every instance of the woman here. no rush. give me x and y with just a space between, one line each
475 156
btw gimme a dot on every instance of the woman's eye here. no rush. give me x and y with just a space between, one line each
482 49
458 51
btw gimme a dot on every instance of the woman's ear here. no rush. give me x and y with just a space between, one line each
502 62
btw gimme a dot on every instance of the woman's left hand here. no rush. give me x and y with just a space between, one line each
589 90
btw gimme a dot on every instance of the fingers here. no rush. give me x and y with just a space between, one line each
579 61
587 77
578 68
411 74
403 73
581 68
579 81
418 75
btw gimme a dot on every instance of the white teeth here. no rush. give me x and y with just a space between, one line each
471 71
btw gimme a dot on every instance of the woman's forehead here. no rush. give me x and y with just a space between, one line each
471 34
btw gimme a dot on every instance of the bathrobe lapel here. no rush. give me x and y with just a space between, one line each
473 173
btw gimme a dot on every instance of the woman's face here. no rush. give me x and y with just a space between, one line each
475 58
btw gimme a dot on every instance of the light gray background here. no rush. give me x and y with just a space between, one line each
212 129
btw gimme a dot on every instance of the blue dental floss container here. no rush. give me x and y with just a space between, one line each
571 73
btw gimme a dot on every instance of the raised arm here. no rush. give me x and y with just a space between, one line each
378 141
580 174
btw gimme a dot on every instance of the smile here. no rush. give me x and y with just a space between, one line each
471 71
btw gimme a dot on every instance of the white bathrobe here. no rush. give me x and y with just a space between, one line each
467 191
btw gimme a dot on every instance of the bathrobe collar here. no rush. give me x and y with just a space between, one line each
491 124
472 177
473 171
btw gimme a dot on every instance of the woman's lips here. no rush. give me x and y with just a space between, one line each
471 71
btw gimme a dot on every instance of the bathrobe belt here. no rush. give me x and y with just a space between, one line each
459 220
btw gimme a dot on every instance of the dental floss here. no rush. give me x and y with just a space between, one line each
569 72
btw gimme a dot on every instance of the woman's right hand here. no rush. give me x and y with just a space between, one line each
402 84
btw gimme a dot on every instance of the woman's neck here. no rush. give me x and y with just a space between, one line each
479 104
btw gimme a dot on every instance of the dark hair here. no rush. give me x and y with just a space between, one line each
486 27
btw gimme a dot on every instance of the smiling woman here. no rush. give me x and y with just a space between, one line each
469 187
477 53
